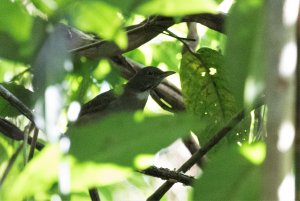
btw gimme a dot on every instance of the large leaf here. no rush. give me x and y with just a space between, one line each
204 88
120 137
23 94
11 15
166 52
90 174
244 51
229 176
42 172
176 7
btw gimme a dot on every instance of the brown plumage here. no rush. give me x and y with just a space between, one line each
133 97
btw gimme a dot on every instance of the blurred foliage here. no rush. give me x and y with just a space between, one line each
244 51
241 179
34 56
133 139
176 7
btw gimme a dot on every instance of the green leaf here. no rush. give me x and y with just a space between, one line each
126 6
89 174
51 7
120 137
23 94
204 88
103 19
229 176
5 149
15 21
166 52
42 172
176 7
136 55
244 51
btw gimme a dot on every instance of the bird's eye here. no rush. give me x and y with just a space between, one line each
150 73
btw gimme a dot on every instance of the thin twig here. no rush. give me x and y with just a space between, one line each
192 145
182 41
10 164
33 143
166 174
159 193
85 47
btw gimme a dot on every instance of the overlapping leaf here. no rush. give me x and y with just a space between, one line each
232 177
205 90
119 138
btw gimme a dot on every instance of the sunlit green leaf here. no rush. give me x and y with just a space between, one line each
42 172
88 174
5 150
231 176
119 138
103 19
244 51
167 52
136 55
176 7
51 7
15 21
23 94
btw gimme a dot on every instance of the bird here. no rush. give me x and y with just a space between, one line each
133 97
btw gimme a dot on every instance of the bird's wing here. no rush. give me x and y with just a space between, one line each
98 104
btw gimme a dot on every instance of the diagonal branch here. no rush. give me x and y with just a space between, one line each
10 164
159 193
16 103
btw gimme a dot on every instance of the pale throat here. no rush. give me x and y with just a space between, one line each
143 95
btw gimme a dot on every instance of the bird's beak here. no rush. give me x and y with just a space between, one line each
167 73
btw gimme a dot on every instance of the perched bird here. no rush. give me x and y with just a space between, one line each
134 96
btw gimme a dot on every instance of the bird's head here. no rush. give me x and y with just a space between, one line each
147 78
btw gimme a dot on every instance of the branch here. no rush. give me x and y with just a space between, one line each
83 44
213 21
13 132
166 174
16 103
34 143
94 195
157 195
